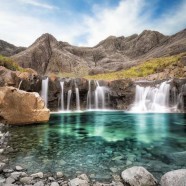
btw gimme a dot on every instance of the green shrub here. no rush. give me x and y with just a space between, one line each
9 64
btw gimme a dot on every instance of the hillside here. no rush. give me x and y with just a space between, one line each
153 69
7 49
47 55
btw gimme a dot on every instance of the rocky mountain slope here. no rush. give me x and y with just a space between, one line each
7 49
47 55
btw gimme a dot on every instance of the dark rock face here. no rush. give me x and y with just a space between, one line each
122 93
7 49
47 55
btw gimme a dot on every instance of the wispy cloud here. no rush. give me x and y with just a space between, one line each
132 16
38 4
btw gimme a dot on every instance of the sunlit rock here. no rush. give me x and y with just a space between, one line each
20 107
138 176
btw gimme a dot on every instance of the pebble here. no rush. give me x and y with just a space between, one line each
59 174
8 170
10 180
84 177
39 183
54 184
2 165
26 180
37 175
51 178
15 175
19 168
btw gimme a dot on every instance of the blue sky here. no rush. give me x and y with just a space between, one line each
86 22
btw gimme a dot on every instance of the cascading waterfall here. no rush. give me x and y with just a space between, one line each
89 102
100 96
77 99
62 95
44 91
69 99
152 99
180 103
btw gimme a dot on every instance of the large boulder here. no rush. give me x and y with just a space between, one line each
138 176
174 178
20 107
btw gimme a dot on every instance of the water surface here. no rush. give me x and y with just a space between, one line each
101 144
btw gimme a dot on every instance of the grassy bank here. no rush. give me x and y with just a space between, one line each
149 67
9 64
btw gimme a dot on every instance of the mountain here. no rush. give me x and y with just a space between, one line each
7 49
47 55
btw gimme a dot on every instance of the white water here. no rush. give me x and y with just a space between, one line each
19 86
152 99
89 95
100 96
77 99
44 91
62 95
69 99
180 103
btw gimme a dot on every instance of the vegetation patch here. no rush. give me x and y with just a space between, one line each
9 64
149 67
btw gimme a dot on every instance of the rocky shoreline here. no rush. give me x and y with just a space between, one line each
134 176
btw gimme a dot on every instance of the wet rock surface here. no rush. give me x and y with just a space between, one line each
174 178
138 176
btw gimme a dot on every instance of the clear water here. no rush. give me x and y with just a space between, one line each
101 144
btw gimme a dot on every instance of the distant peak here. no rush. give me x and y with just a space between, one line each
46 37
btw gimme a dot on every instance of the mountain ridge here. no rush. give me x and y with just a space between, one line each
47 55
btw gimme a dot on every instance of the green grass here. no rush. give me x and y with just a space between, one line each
142 70
9 64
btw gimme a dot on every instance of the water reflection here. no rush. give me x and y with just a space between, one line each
143 127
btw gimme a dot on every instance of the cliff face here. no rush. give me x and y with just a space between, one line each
47 55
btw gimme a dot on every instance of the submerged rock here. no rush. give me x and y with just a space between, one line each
20 107
174 178
138 176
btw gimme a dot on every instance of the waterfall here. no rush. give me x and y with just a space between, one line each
100 96
77 99
44 91
180 104
89 102
69 99
19 86
62 95
152 99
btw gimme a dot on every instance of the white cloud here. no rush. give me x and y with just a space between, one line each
38 4
132 16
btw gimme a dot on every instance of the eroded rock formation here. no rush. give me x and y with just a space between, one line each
20 107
